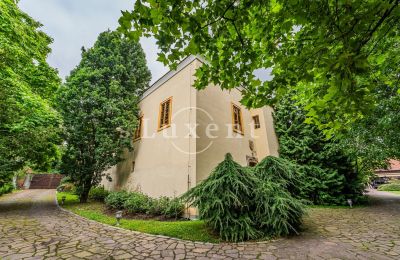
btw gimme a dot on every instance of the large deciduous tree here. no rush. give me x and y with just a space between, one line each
332 51
99 107
29 126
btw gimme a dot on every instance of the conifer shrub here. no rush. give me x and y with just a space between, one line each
243 203
116 199
277 170
224 201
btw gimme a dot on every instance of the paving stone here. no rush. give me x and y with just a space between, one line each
32 227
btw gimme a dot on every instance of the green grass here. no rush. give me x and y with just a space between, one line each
188 230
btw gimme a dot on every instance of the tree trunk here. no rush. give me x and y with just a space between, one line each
83 198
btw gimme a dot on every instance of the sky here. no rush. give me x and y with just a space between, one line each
76 23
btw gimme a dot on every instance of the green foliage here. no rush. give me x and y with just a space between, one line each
174 208
242 205
390 187
116 199
66 179
328 174
67 187
376 138
195 230
158 206
29 126
99 107
335 53
280 171
137 203
98 193
6 188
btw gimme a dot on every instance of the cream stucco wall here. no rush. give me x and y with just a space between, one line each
217 107
164 164
266 141
170 161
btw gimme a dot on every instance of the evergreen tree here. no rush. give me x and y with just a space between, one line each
99 107
248 203
330 176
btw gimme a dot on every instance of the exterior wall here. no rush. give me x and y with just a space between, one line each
266 141
215 107
173 160
164 164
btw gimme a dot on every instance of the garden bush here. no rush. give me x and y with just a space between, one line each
174 208
390 187
98 193
241 204
137 203
116 199
158 206
6 188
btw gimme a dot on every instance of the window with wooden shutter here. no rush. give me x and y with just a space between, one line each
138 131
237 119
256 120
164 119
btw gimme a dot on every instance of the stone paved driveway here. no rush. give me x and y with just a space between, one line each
32 227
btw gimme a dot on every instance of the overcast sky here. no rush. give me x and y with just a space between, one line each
76 23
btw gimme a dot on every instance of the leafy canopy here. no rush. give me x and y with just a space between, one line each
99 107
29 126
335 52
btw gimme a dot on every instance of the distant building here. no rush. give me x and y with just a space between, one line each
393 171
184 133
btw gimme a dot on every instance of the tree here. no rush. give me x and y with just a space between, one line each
29 126
99 105
376 138
328 50
329 174
248 203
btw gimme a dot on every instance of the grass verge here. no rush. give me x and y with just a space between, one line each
189 230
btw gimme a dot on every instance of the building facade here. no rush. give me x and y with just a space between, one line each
184 133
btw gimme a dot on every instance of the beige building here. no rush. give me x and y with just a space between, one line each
184 133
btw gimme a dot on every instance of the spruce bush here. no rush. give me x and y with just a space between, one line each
249 203
225 200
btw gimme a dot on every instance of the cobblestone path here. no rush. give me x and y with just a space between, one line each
32 227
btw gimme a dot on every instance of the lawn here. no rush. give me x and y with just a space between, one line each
194 230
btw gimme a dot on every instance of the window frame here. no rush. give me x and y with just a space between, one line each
161 127
140 128
257 123
241 130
